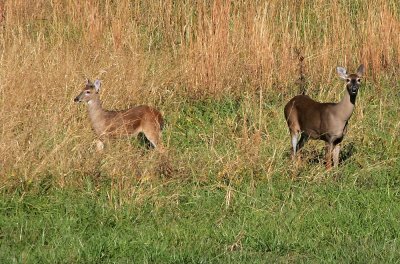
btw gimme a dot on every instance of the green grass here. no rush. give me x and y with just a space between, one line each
186 222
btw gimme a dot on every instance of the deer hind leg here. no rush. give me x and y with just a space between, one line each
153 134
328 155
298 141
335 154
303 139
295 140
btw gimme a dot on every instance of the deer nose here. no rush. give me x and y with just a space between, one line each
354 88
76 99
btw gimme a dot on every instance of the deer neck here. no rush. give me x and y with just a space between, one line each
345 107
96 114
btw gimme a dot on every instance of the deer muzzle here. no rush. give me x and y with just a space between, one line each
353 89
78 98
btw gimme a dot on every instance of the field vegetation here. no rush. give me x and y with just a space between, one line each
220 71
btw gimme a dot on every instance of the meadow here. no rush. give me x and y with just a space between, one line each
220 72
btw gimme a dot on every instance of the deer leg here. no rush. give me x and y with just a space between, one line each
328 155
295 139
155 139
303 139
99 145
298 142
335 153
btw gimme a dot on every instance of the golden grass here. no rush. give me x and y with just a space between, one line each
161 52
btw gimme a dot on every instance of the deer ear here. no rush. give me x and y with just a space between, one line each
88 82
342 72
97 84
360 70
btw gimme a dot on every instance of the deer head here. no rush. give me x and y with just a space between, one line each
89 92
353 80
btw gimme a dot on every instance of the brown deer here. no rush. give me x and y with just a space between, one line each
307 118
130 122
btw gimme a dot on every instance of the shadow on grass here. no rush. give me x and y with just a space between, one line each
318 156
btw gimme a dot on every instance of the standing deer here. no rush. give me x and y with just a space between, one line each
130 122
307 118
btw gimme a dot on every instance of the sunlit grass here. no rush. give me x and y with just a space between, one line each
220 73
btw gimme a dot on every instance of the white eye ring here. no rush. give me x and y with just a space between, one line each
358 80
348 80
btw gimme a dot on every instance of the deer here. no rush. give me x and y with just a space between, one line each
307 118
130 122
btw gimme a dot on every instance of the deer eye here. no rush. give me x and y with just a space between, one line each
88 92
348 80
358 80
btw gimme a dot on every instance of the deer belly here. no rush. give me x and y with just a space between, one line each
312 133
332 136
123 128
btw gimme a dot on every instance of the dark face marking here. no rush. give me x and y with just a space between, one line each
353 84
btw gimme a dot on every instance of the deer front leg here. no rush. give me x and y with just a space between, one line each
335 154
99 145
328 155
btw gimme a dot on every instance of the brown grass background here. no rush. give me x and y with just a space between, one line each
163 53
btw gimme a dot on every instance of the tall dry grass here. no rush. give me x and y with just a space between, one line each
159 53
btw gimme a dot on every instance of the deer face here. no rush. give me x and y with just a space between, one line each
89 92
353 83
353 80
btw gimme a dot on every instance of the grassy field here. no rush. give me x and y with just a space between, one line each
220 72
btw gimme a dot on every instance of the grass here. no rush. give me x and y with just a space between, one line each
221 73
186 222
224 207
